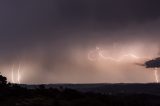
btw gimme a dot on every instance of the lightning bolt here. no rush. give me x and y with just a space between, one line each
156 75
19 76
12 74
119 59
100 54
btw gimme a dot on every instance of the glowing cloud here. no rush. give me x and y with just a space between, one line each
93 55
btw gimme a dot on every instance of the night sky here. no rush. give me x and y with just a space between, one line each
49 41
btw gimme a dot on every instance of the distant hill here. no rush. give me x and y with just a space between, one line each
80 95
131 88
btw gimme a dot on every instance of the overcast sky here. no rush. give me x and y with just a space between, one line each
51 39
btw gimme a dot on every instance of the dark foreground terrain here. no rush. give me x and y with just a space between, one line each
80 95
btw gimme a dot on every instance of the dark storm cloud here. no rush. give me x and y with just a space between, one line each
47 30
27 23
31 17
155 63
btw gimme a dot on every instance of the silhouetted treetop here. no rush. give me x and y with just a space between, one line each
3 80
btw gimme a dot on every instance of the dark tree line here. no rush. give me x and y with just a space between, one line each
3 80
15 95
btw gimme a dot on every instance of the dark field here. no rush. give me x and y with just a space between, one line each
80 95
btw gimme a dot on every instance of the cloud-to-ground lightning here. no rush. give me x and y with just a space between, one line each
19 76
12 74
156 75
18 79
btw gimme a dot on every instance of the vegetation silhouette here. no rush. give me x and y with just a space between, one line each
16 95
3 80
